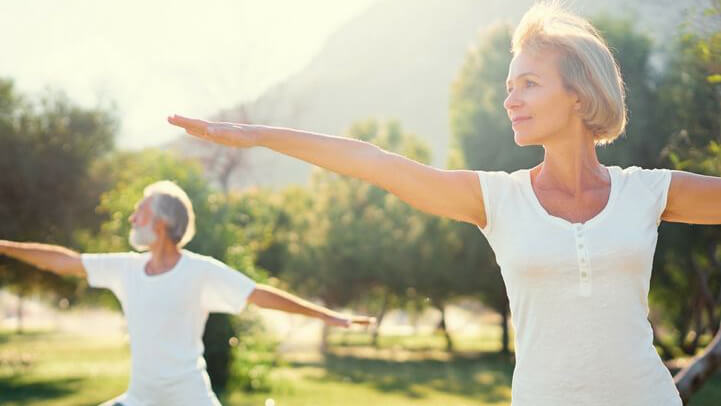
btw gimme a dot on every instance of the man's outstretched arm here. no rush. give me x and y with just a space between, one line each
51 258
272 298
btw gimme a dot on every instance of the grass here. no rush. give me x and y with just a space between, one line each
489 341
351 380
52 370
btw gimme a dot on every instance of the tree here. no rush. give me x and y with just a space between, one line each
693 99
48 146
354 240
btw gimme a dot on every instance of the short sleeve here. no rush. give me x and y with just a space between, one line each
493 185
225 290
108 270
657 183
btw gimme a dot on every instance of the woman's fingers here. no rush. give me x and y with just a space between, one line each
194 127
181 121
191 125
220 133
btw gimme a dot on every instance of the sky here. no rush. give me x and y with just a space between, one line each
155 58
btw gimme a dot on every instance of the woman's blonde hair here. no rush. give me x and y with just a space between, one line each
585 63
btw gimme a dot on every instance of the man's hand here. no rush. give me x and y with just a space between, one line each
345 321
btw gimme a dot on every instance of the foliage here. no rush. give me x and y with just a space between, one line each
47 146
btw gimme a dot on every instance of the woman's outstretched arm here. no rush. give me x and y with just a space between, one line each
454 194
693 199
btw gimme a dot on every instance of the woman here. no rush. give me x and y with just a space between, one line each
574 238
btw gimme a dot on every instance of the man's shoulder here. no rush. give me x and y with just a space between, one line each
200 261
130 256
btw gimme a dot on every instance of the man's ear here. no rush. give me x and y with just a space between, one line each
159 228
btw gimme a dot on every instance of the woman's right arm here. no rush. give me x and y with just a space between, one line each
454 194
52 258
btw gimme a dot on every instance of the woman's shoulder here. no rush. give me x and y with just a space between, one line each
651 179
638 172
515 176
500 184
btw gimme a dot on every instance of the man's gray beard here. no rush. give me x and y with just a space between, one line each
141 237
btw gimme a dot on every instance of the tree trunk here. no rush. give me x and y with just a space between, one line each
444 328
705 292
324 339
690 348
690 379
379 320
19 327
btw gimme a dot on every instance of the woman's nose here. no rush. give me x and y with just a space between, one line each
512 101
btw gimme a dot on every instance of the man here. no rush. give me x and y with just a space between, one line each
166 294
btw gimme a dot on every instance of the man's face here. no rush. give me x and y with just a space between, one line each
142 233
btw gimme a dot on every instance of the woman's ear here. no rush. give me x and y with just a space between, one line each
577 105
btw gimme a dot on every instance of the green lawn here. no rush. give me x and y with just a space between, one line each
51 369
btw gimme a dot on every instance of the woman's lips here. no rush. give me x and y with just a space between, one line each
518 120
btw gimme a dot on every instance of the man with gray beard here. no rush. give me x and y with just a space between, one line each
166 293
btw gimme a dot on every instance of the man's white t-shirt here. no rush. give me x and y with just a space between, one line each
578 292
166 315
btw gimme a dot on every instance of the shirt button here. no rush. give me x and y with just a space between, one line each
584 274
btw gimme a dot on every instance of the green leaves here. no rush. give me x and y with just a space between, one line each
47 147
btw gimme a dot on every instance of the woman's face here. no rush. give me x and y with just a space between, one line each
540 108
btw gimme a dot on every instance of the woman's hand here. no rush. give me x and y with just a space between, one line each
231 134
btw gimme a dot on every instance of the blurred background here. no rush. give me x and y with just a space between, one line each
85 87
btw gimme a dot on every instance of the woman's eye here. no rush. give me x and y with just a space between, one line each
530 83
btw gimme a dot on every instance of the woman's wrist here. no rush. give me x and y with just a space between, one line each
266 136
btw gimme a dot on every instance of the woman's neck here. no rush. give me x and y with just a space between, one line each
570 165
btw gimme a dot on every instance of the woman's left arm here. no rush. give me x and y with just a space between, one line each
693 199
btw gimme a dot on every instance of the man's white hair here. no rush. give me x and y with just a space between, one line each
171 204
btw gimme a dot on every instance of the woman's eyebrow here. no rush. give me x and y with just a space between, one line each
522 75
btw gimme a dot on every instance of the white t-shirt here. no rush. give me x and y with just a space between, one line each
166 315
579 292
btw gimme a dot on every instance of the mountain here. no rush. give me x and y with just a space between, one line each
397 60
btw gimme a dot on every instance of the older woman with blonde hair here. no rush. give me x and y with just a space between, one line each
574 239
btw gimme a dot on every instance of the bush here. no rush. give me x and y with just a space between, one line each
254 356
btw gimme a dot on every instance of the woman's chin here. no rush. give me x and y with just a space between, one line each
522 140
